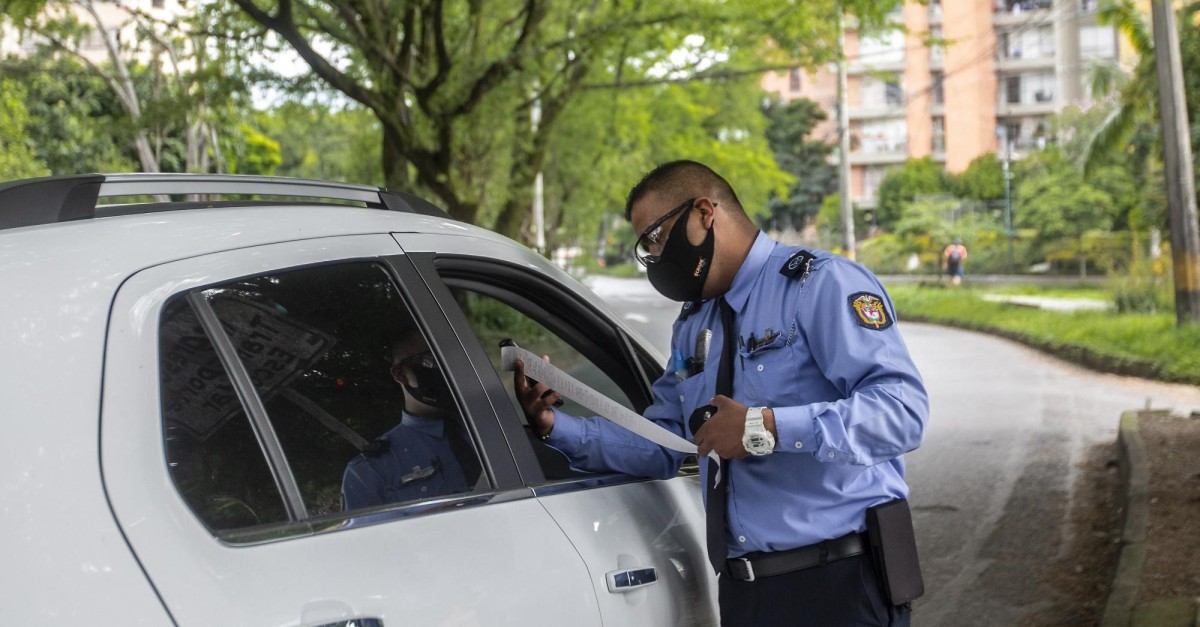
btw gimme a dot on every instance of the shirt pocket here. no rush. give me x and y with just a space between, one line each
694 392
765 372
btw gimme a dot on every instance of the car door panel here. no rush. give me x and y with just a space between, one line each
617 523
474 559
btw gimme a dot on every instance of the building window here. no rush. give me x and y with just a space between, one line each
937 51
937 89
939 134
794 79
1027 44
872 177
883 136
894 94
1012 90
885 48
877 92
1097 42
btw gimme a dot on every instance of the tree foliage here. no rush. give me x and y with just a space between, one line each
17 159
807 160
176 83
1053 197
982 180
319 141
454 83
916 178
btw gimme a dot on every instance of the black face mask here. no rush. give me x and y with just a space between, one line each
431 388
680 271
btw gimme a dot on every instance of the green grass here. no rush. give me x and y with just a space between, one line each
1057 291
1146 345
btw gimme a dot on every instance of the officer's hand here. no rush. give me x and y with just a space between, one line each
537 400
723 432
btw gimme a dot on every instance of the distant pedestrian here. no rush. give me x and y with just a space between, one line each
955 254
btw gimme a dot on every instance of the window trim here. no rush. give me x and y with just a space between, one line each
411 287
252 405
529 292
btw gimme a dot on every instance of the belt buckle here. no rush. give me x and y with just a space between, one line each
749 568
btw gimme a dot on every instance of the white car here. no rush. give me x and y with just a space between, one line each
196 376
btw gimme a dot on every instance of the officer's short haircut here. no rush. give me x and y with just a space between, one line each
407 343
677 180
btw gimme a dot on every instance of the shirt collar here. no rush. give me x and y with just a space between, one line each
747 275
429 426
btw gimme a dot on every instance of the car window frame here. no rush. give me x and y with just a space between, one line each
478 417
555 306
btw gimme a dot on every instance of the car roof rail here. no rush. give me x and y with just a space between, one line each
48 200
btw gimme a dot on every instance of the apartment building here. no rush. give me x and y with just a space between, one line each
962 78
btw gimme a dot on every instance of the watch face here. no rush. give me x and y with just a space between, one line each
758 444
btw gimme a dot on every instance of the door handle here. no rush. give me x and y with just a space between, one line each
620 581
355 622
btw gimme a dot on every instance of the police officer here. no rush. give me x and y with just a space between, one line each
825 401
425 455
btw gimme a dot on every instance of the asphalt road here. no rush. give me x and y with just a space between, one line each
994 476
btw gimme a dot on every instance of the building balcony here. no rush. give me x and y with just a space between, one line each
1016 109
882 111
1018 63
869 65
1023 13
897 154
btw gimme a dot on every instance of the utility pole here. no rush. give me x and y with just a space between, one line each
844 144
1008 212
1177 162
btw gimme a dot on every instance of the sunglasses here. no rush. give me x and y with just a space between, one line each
653 235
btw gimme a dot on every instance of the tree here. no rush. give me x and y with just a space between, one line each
609 138
807 160
176 98
453 83
916 178
16 157
80 127
1053 197
319 141
982 180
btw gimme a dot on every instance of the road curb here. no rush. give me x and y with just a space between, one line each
1134 500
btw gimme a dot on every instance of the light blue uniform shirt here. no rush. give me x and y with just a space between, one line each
847 398
418 462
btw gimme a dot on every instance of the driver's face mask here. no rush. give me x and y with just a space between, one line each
430 387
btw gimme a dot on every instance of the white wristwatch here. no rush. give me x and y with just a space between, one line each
756 438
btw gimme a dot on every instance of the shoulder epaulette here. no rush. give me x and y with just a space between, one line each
688 308
797 264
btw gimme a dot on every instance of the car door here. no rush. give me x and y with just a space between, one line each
245 394
626 528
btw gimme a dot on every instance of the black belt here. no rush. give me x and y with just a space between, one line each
755 565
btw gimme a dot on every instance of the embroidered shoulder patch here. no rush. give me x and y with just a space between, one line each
687 309
869 311
796 264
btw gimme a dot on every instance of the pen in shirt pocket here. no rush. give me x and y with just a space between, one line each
700 354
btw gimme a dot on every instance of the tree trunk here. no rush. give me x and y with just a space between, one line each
1082 260
395 163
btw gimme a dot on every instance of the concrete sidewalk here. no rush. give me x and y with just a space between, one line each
1121 610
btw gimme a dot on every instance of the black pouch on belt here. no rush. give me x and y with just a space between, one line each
894 549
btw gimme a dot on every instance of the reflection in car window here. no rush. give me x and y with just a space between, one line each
213 457
493 320
355 396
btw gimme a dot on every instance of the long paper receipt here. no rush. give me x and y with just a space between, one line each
605 407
